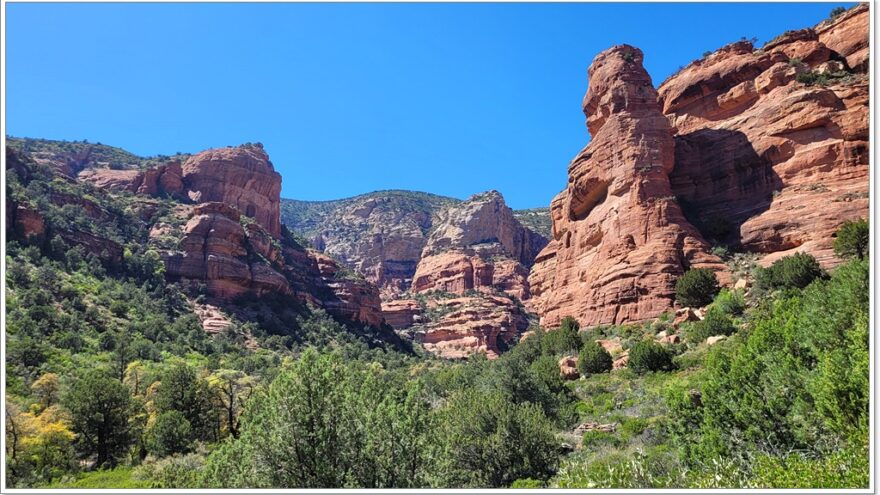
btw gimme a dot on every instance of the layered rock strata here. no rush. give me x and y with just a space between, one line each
620 239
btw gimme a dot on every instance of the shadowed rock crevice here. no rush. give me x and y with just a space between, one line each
721 181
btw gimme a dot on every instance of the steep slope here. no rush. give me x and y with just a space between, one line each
470 280
71 157
221 236
381 235
478 243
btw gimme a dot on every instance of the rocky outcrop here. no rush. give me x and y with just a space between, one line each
479 249
240 176
620 239
478 245
164 180
467 325
379 235
756 150
28 223
738 148
484 219
353 298
215 251
847 36
401 313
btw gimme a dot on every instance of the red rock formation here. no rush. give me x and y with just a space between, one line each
757 151
478 245
353 297
214 251
242 177
483 219
847 36
163 180
620 238
467 325
401 313
27 221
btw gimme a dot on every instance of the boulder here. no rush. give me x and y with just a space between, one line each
568 368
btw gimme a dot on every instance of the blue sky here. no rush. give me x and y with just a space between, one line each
452 99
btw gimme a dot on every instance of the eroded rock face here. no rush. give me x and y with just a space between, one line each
479 245
484 219
764 162
164 180
214 251
381 236
468 325
847 36
620 239
353 298
242 177
401 313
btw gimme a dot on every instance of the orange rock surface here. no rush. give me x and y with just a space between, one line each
620 239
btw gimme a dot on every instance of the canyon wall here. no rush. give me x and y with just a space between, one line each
761 150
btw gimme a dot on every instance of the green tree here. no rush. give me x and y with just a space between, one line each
180 389
99 406
696 287
594 359
564 340
790 272
796 381
485 440
852 239
232 389
170 434
325 423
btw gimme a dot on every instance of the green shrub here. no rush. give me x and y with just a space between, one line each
731 302
593 358
836 11
696 287
791 272
648 356
813 344
528 483
170 434
596 438
852 239
715 323
632 426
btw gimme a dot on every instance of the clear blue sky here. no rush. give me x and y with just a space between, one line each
452 99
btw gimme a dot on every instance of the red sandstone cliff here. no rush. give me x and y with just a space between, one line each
762 150
757 151
620 238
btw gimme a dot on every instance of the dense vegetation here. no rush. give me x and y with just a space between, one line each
112 382
80 155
